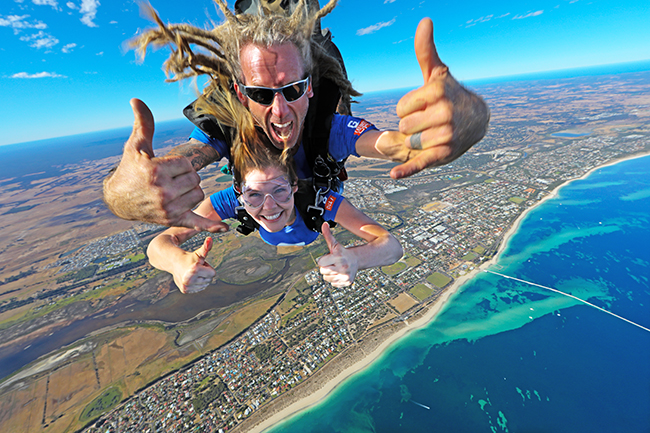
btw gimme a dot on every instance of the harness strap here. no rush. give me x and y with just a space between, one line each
309 202
247 224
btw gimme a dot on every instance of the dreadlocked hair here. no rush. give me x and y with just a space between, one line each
221 57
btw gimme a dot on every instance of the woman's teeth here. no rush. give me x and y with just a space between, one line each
272 217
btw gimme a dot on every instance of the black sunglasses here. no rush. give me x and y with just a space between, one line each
264 95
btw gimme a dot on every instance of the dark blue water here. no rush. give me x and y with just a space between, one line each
507 356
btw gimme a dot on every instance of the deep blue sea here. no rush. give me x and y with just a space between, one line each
505 356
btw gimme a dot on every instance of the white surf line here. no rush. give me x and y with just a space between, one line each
566 294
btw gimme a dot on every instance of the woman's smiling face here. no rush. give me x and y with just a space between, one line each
271 186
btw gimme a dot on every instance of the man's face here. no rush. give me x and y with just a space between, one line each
275 67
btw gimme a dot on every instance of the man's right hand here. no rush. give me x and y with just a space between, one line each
161 190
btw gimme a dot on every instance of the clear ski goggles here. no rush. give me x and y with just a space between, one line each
254 194
264 95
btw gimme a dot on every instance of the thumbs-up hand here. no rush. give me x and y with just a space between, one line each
159 190
196 273
340 266
440 120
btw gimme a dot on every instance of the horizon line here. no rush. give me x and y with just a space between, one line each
501 79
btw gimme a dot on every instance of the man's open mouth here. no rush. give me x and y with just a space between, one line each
283 130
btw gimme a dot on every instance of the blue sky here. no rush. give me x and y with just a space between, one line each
64 69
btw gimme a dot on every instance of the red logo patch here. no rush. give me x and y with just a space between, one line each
363 125
330 202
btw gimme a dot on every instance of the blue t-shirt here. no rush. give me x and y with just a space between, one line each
224 203
344 134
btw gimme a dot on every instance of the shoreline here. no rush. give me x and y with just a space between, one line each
363 360
423 318
552 194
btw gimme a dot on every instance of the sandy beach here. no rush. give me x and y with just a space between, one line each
350 361
357 357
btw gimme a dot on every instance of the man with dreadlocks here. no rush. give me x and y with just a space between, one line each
275 67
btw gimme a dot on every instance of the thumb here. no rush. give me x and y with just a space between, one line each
425 49
329 237
141 139
205 248
194 221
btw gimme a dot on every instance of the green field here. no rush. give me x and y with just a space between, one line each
438 279
412 261
470 256
479 250
394 269
136 257
421 292
517 200
101 404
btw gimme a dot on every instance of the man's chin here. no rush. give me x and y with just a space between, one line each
281 145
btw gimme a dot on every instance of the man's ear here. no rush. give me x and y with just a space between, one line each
310 91
242 98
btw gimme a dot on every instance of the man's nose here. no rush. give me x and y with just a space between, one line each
280 106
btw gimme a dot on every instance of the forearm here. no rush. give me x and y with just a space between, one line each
383 145
200 154
165 253
382 251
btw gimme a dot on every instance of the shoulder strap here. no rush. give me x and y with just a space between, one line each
309 203
209 124
327 172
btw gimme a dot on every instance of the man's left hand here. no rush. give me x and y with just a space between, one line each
439 121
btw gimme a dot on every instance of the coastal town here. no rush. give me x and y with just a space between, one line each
217 372
445 237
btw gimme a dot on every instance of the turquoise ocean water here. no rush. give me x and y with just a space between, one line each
504 356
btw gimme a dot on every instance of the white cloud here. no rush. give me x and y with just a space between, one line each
18 23
71 5
40 40
89 10
389 1
38 75
101 53
485 19
373 28
68 48
531 14
404 40
52 3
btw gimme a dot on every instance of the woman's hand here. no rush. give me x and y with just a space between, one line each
340 266
195 274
